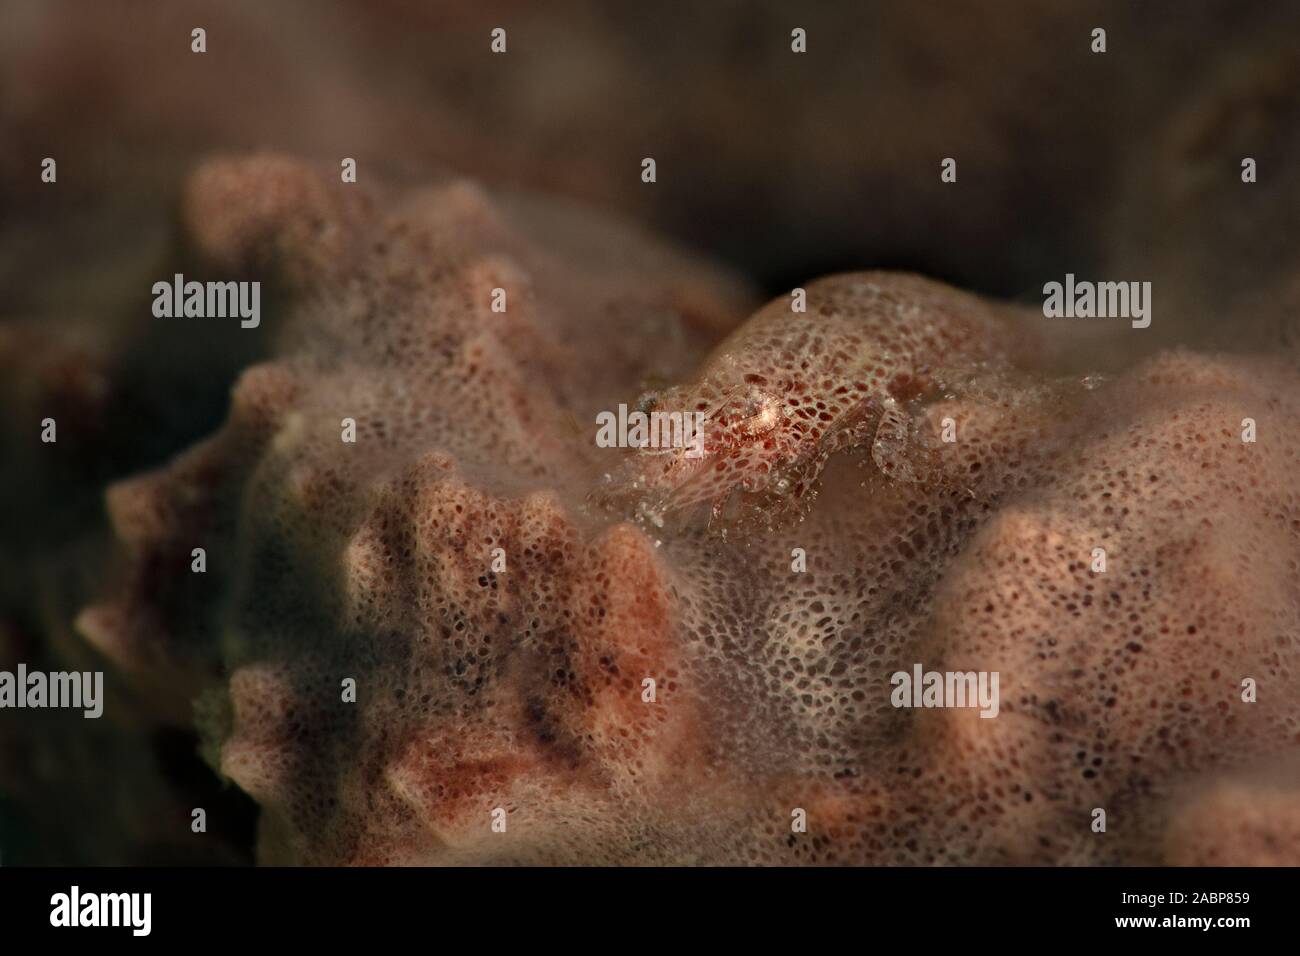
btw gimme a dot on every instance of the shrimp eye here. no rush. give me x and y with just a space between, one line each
648 402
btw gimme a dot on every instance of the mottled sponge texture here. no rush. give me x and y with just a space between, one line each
499 587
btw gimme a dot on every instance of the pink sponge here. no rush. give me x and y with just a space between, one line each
473 635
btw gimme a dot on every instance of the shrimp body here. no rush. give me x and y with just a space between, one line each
789 389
